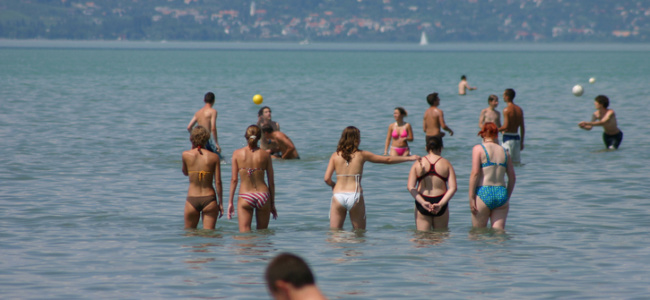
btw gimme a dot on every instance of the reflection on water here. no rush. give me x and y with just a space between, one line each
208 233
429 238
489 235
338 236
348 242
253 244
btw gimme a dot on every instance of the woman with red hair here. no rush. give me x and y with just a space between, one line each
490 164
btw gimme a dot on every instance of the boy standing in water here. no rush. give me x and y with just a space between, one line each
612 136
463 86
490 114
207 117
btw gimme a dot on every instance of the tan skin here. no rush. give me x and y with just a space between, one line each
490 114
262 120
602 117
489 176
287 291
206 117
193 161
348 184
432 186
284 145
434 120
400 125
252 156
513 119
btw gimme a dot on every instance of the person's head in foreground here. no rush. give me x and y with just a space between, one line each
288 277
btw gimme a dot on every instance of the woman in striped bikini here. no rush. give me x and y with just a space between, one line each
255 196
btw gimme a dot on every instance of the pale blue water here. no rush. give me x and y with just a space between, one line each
92 194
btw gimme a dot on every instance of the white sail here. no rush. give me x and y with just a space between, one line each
423 39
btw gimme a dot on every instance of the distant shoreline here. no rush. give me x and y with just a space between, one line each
266 46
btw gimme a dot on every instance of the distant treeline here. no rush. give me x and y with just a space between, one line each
329 20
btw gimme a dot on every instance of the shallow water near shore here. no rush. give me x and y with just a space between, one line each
92 194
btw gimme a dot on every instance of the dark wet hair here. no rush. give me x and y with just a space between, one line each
289 268
349 142
402 111
510 93
209 98
463 77
267 128
492 97
431 98
489 130
261 111
602 100
434 143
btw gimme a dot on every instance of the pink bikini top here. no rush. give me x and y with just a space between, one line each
396 134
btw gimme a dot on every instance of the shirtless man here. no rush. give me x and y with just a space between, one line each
434 119
490 114
463 86
207 117
612 136
513 128
285 146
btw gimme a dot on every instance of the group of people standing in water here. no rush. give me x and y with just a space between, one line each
431 181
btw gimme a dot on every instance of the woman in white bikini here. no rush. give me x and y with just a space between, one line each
255 196
399 134
348 162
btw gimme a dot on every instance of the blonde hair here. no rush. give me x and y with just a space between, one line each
199 136
253 134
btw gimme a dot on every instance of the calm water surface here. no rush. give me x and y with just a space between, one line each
92 194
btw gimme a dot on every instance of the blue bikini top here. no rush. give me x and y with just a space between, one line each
489 163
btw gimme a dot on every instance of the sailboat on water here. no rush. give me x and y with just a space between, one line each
423 39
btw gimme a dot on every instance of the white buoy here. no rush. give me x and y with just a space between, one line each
592 80
577 90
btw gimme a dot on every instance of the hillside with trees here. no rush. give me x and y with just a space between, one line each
328 20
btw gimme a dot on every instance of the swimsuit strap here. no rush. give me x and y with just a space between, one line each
250 171
201 173
505 163
489 163
357 179
432 170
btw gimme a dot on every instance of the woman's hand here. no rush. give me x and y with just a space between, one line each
274 212
231 211
472 206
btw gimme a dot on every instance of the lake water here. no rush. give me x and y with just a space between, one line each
92 194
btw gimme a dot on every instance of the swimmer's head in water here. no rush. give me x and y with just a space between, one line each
199 136
267 128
